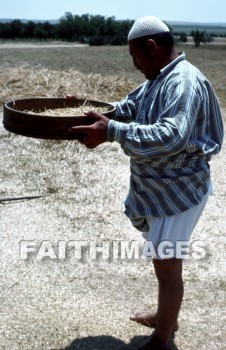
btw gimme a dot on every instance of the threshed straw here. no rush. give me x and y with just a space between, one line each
71 111
26 81
85 189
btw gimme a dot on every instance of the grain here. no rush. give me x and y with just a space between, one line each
73 111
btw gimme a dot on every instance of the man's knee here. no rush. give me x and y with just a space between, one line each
168 269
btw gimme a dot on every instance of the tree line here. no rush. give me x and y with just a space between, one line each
87 29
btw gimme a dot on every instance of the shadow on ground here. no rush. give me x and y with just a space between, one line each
107 343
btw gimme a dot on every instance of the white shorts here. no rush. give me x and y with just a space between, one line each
169 237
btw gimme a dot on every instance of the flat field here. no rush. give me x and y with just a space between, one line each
72 299
111 61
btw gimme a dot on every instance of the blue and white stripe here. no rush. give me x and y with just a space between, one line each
170 128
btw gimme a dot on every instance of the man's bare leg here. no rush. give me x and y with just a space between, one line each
169 275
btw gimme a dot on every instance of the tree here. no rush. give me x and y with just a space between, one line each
197 37
16 28
5 31
201 37
29 29
183 37
42 31
65 27
207 38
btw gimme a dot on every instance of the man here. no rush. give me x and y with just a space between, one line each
170 126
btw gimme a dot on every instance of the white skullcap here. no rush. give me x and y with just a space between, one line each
148 25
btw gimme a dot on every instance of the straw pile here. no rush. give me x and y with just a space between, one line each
26 81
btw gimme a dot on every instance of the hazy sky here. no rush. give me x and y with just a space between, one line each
171 10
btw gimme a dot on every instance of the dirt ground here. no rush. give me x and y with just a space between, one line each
70 302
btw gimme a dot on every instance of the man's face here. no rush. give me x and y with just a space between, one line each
142 59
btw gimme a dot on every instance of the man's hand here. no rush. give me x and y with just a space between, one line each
94 134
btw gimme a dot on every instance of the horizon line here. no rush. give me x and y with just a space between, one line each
168 21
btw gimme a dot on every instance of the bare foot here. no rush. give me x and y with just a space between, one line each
147 319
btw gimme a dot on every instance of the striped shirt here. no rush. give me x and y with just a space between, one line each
169 127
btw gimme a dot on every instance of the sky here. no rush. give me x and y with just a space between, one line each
205 11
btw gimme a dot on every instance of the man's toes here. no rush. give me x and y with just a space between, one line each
148 319
144 318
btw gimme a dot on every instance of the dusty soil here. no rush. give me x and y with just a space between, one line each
64 302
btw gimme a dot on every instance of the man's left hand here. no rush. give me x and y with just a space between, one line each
94 134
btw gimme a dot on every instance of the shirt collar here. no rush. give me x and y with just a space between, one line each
171 65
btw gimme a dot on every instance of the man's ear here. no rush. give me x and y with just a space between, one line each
152 47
